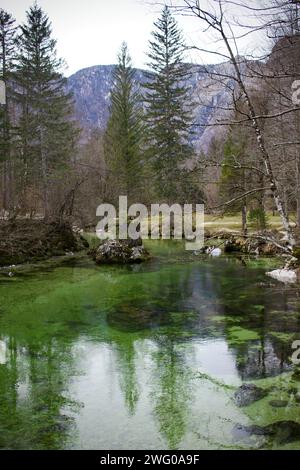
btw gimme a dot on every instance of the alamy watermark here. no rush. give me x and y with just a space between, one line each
296 354
161 221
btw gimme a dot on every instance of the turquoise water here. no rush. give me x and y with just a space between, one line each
146 356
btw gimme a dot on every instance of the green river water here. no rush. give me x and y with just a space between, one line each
146 356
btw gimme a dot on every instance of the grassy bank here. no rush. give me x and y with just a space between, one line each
234 222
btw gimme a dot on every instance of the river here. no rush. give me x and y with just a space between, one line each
147 356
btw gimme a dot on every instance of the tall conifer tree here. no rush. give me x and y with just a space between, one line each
124 133
7 54
169 107
46 129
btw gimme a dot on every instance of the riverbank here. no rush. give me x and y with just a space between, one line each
30 241
23 241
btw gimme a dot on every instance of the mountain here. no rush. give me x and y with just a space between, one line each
91 90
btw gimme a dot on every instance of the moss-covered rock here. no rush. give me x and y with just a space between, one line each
120 252
260 243
281 431
248 393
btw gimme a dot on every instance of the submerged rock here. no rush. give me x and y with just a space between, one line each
278 403
120 252
248 393
280 431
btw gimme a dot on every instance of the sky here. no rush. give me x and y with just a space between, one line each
90 32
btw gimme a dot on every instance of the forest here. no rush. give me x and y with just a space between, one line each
130 343
49 169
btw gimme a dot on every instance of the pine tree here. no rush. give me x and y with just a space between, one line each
124 133
169 107
46 129
7 54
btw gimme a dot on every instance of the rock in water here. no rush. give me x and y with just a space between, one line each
283 275
120 252
247 394
280 431
278 403
215 252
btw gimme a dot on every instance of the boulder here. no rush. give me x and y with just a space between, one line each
280 431
120 252
278 403
248 393
283 275
259 245
212 251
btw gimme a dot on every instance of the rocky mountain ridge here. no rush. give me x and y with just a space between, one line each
91 90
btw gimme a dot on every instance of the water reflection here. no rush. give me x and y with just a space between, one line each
34 396
171 391
127 375
110 358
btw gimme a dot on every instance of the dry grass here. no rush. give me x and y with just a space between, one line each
233 222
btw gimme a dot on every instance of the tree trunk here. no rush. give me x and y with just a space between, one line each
6 187
6 196
261 145
244 220
44 168
298 183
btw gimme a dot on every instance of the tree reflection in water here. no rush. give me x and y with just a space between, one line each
172 308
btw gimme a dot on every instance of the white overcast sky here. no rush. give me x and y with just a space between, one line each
90 32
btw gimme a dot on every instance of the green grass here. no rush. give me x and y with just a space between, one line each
234 222
215 223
